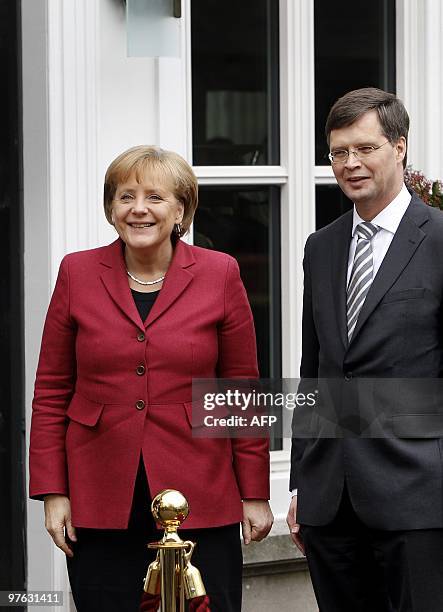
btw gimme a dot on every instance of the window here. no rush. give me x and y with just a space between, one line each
353 48
244 220
330 203
236 126
235 122
235 119
251 205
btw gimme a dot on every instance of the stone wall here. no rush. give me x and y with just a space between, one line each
276 576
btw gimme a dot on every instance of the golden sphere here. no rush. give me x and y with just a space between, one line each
170 507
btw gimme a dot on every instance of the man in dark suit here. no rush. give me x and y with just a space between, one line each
369 512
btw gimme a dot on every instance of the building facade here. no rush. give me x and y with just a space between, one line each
244 102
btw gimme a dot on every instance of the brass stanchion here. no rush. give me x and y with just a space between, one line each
171 575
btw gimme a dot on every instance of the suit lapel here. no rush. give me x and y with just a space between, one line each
116 283
339 271
402 248
115 280
177 279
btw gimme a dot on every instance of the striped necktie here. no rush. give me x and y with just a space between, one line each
361 274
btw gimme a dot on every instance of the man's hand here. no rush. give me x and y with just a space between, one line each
57 519
294 527
257 520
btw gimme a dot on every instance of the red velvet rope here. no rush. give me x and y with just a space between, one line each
150 603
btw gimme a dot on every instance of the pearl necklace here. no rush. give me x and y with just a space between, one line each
140 282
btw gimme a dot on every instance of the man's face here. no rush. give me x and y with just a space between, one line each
376 179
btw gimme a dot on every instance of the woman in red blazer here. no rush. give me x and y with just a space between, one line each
128 328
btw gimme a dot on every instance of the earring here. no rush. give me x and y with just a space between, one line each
178 228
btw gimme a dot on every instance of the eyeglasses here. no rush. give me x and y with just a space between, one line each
340 156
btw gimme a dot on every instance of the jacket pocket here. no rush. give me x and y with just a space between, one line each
84 411
414 293
418 425
196 413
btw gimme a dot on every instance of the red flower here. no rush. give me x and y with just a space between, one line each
431 192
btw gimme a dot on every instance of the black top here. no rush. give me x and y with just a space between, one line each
144 302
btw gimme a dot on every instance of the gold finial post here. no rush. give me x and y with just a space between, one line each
171 573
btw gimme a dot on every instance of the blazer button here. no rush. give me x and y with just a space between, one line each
139 404
141 337
348 376
140 369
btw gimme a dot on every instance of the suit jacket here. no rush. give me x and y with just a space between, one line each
394 482
111 387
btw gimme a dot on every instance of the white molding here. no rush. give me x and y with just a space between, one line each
280 497
298 155
324 175
174 88
420 80
187 57
40 553
241 175
410 73
433 94
280 458
171 103
73 184
74 188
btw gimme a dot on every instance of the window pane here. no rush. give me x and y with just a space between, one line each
244 221
354 47
235 86
330 203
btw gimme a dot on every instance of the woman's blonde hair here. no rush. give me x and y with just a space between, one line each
170 166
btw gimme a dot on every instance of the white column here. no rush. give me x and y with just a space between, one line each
433 92
74 188
410 75
297 114
420 80
40 554
298 156
174 96
61 192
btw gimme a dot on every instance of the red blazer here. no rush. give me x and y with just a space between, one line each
110 387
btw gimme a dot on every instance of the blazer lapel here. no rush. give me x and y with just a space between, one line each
115 280
403 246
339 271
177 279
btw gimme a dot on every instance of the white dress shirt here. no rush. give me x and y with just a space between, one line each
388 221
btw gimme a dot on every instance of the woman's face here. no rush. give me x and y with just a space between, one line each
144 213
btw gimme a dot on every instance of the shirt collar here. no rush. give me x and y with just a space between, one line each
389 218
